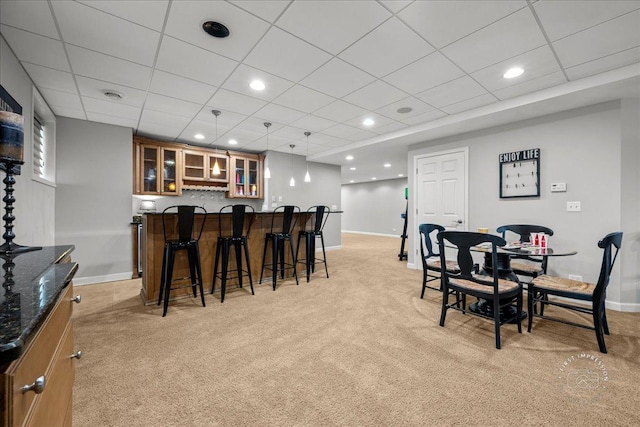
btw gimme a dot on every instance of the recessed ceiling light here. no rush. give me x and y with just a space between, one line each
352 181
257 85
513 72
198 136
387 165
373 178
400 174
368 121
352 169
233 142
404 110
349 157
113 95
215 29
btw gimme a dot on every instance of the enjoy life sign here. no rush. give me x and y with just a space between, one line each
520 156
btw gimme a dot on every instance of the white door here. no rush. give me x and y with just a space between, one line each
441 191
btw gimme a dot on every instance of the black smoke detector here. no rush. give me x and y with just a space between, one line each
215 29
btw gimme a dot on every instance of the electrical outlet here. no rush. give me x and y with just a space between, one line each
574 207
274 205
575 277
279 198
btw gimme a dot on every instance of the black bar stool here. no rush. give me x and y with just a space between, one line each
278 239
242 217
318 217
178 227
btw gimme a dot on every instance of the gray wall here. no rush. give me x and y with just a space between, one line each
34 208
374 207
581 148
93 198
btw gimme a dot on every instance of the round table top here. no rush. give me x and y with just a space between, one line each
525 250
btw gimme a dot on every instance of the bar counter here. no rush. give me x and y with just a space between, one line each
152 242
29 290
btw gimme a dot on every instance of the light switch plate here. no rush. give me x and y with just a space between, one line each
574 207
558 187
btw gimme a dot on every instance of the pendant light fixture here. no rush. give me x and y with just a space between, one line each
216 167
292 182
267 172
307 177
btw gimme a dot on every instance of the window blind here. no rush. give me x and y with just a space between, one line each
38 148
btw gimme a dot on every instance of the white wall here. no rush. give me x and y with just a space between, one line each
581 148
374 207
35 202
93 198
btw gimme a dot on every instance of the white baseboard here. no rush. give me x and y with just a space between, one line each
329 248
370 234
628 307
79 281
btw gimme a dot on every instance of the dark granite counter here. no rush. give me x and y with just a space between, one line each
29 291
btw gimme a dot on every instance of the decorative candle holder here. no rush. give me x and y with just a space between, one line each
11 158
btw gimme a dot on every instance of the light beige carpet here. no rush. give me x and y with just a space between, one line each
358 349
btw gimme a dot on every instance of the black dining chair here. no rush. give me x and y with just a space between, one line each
318 216
544 286
181 234
283 222
242 217
501 292
532 266
431 260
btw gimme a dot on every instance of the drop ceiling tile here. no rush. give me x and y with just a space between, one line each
396 5
63 99
361 136
340 111
417 106
391 127
561 18
313 123
112 120
245 30
238 103
158 131
243 75
424 117
444 22
174 106
452 92
36 49
303 99
341 131
337 78
190 61
285 55
605 39
394 42
511 36
470 104
334 25
179 87
600 65
49 78
269 10
116 37
110 108
424 74
377 118
107 68
528 86
92 88
257 125
206 128
536 63
63 111
32 16
320 139
284 135
243 136
278 114
165 119
375 95
149 13
227 119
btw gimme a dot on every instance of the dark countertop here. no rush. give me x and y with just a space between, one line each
29 295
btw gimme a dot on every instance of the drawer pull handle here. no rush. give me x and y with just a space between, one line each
77 355
37 386
77 299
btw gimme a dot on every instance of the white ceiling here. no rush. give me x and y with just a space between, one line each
327 65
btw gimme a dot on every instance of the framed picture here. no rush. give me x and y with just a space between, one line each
11 135
520 174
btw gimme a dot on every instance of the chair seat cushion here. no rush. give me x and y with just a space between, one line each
526 268
435 264
504 285
553 283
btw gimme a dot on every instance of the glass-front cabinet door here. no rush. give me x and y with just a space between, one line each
170 184
247 179
149 169
194 166
157 169
223 174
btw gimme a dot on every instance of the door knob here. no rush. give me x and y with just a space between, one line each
459 221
